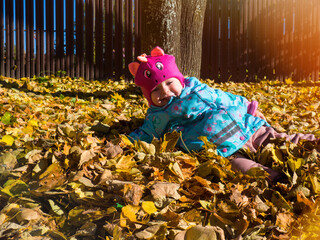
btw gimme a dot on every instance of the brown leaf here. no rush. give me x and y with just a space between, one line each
111 151
201 233
164 190
27 214
284 221
172 218
132 193
53 177
86 156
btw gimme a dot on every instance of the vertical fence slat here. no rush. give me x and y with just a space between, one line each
214 36
49 37
19 8
317 40
118 43
2 69
312 40
244 37
234 40
282 49
30 65
308 33
298 39
9 39
89 39
128 36
22 41
108 64
59 59
12 64
99 40
286 40
206 64
224 50
272 45
251 39
259 39
69 39
275 35
137 27
79 39
40 37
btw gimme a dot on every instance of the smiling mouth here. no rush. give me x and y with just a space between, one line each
166 98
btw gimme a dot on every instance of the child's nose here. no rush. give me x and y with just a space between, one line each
165 90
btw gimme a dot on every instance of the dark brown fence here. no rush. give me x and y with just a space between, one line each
250 39
96 39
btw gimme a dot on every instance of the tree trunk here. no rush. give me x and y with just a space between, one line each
192 19
161 26
176 26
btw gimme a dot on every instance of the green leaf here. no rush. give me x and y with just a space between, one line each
55 208
14 187
278 200
6 118
7 139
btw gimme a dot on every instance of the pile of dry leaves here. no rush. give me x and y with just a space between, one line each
68 171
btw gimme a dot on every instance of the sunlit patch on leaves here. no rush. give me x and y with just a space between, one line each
70 171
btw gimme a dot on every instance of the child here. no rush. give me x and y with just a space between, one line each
188 106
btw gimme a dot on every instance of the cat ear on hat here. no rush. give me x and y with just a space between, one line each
157 51
133 68
143 58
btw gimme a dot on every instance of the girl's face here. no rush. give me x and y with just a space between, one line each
162 93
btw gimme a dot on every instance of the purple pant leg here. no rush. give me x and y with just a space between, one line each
262 138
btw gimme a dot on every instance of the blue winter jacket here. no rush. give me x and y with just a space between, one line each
202 111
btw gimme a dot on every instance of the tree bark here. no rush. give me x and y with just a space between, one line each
176 26
161 26
192 19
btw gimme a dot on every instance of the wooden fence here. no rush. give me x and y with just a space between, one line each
96 39
250 39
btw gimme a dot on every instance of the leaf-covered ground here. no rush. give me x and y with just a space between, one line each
67 170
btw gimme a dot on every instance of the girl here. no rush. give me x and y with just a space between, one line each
188 106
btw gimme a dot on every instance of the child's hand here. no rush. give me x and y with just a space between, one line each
259 114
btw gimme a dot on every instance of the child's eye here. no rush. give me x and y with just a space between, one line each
159 65
156 89
147 74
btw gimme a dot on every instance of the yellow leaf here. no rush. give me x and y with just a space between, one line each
118 98
175 169
149 207
8 140
125 162
28 130
295 164
169 141
206 205
148 147
33 123
126 140
289 81
128 214
315 184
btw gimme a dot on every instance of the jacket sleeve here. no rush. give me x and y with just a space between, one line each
226 99
144 133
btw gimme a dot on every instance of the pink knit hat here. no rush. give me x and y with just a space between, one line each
154 69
